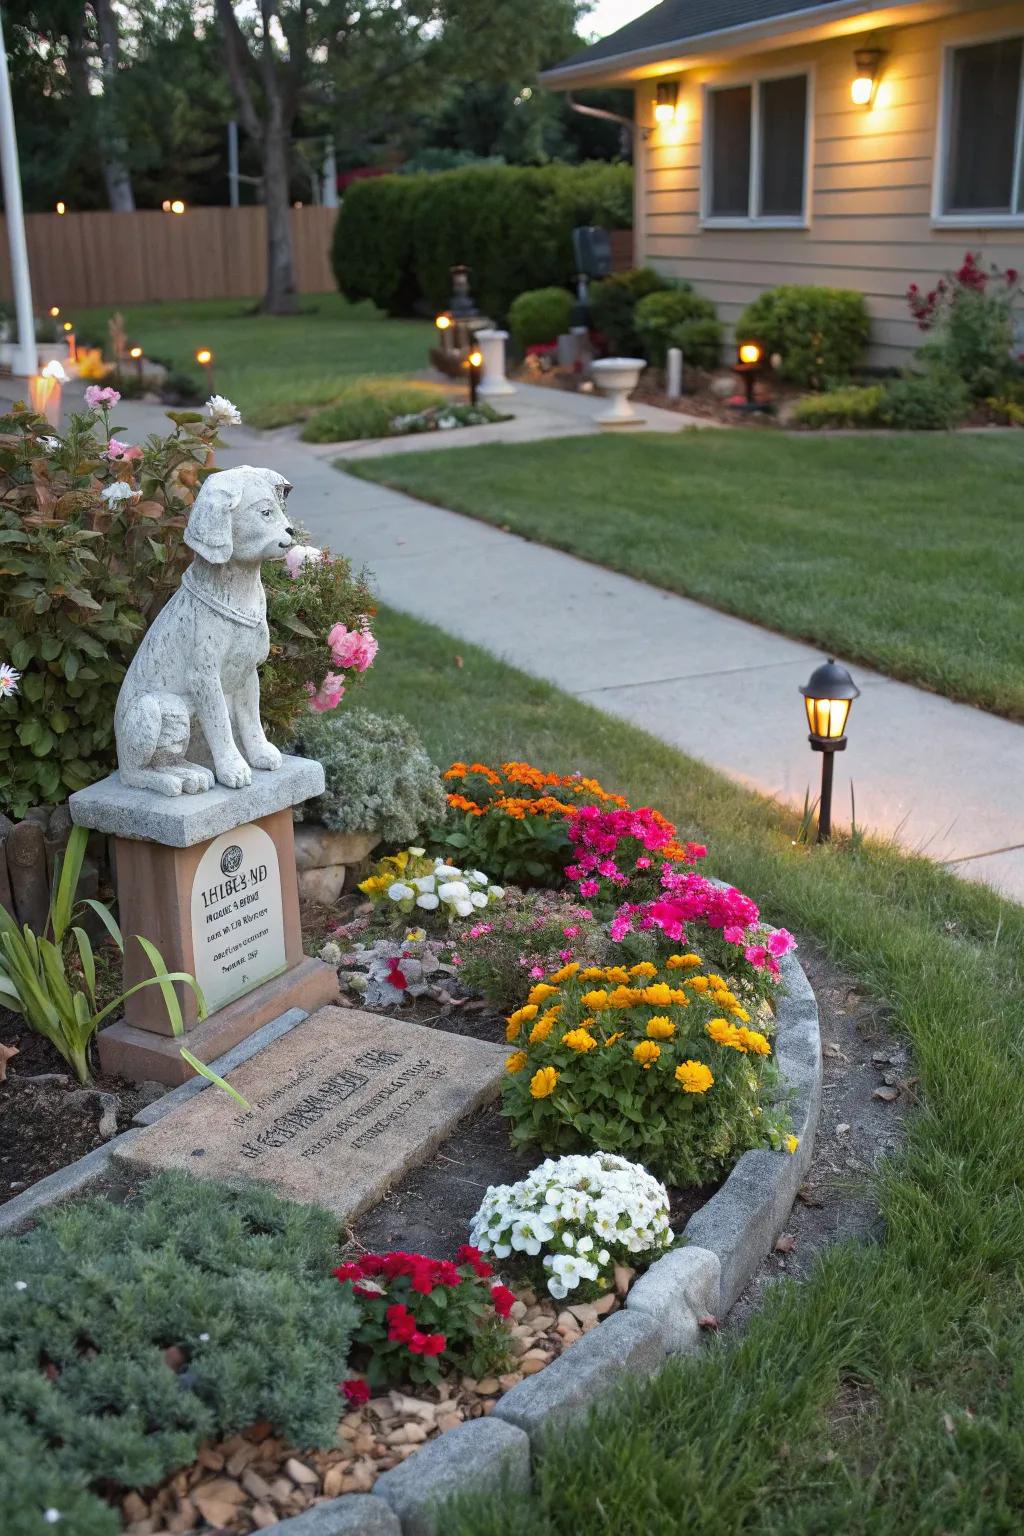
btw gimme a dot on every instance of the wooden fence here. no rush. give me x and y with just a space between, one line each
79 259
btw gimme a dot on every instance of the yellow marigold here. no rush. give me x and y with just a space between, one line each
698 983
557 977
644 968
541 992
681 962
723 997
693 1077
579 1040
592 973
717 981
646 1054
623 997
542 1083
660 1027
543 1027
456 771
595 1001
524 1014
374 883
678 997
516 1062
741 1014
724 1033
753 1040
792 1142
612 1038
513 1029
659 995
618 974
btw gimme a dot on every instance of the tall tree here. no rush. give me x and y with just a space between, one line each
112 142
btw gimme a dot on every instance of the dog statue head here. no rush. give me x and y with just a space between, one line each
239 515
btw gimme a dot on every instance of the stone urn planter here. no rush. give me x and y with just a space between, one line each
617 377
322 858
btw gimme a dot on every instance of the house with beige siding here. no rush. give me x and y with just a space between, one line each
852 143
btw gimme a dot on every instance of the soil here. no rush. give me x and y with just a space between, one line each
868 1089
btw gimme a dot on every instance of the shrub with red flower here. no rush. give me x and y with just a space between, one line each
418 1315
970 313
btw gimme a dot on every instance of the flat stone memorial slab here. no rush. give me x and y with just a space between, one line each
341 1106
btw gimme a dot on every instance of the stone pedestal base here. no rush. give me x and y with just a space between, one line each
141 1055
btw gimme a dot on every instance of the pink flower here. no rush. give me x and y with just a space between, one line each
118 450
536 972
589 887
756 954
352 647
300 555
643 862
98 399
780 942
571 932
564 955
734 934
328 695
480 928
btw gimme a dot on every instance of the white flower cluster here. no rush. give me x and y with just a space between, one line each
222 413
461 893
580 1215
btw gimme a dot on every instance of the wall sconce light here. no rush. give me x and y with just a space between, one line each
867 63
828 697
665 102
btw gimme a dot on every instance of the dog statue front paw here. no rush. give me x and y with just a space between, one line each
266 757
234 772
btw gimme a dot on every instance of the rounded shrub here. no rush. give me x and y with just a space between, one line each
819 334
613 304
659 314
700 340
924 402
539 315
378 775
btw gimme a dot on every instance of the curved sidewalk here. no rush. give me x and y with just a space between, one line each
944 779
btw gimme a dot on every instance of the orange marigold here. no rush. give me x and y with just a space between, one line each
463 803
456 771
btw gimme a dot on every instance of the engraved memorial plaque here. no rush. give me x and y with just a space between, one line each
237 915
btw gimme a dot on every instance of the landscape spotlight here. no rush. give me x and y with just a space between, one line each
665 101
828 696
475 364
54 311
68 326
204 357
749 363
177 206
443 321
62 208
135 353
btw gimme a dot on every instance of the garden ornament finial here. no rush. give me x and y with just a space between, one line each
193 681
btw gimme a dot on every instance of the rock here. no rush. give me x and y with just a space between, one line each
255 1485
531 1364
218 1500
108 1120
300 1474
584 1315
334 1479
6 898
624 1276
482 1459
134 1507
262 1516
149 1091
605 1304
518 1311
316 847
47 1079
323 886
509 1380
212 1460
241 1457
488 1386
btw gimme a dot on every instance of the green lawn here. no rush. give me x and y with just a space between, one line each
885 1394
903 552
274 369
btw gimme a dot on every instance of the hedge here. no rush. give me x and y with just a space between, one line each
397 237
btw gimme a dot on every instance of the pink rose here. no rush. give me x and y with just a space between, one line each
328 695
300 555
98 399
354 648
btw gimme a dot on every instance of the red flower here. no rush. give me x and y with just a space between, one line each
401 1323
427 1343
1011 276
356 1391
422 1280
349 1272
504 1299
396 976
468 1255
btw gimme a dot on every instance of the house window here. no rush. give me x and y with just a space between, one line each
984 129
757 151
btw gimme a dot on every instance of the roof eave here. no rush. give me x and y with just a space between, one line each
627 68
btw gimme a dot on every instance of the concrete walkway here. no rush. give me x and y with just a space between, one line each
942 778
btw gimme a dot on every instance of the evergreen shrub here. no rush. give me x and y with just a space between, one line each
379 777
819 334
539 315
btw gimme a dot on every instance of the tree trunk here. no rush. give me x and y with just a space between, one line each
113 148
281 296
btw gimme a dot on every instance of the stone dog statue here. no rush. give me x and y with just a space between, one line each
193 678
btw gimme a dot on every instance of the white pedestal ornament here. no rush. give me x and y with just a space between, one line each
494 382
617 377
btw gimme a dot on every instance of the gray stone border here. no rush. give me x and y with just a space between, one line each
725 1242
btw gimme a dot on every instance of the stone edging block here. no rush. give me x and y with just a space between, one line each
354 1514
675 1293
66 1181
483 1456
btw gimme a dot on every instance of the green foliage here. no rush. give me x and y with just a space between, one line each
613 302
240 1283
78 582
379 778
530 929
659 317
368 407
650 1070
819 334
973 341
539 315
854 405
397 237
301 612
701 341
931 402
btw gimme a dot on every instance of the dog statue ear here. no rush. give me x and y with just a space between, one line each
282 487
208 531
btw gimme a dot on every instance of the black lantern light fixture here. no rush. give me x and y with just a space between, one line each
867 66
828 696
748 367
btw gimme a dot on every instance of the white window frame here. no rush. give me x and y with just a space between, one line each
755 220
973 218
